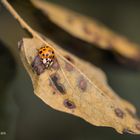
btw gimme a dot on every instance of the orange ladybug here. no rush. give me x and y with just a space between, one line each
47 55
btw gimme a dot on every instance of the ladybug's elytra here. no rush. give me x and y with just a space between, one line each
46 53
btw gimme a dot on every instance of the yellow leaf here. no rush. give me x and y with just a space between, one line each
89 30
77 87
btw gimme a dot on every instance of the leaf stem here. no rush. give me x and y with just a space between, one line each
21 21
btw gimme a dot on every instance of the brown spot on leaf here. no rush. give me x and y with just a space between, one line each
55 65
58 86
68 66
38 66
119 113
138 126
69 104
69 58
86 29
82 84
70 19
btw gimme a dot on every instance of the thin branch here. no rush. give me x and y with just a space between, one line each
21 21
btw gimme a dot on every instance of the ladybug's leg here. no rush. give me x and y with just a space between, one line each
51 62
47 63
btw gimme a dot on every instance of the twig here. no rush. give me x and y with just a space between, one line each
21 21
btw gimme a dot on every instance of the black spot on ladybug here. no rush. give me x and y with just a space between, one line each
58 86
40 52
69 104
44 49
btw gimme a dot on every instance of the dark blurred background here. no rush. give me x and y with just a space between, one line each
25 117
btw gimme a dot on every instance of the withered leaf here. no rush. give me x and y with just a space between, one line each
74 86
75 90
89 30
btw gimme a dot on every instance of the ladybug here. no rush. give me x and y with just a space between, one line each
46 54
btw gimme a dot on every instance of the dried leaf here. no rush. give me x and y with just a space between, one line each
74 86
89 30
85 94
